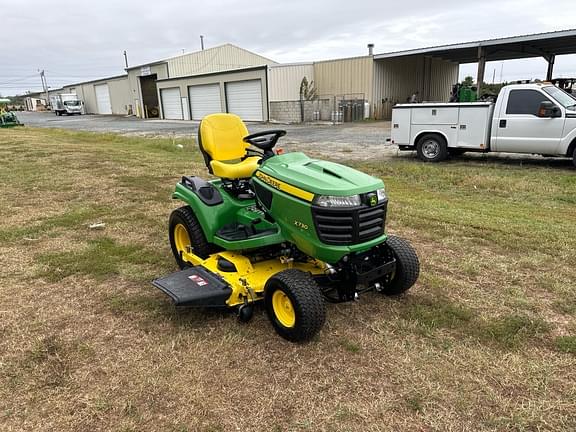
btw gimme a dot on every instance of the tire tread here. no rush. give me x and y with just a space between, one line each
407 266
308 304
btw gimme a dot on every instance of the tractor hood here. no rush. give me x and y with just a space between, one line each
319 177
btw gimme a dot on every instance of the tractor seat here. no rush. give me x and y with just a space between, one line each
220 137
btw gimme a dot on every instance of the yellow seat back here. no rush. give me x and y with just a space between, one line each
220 136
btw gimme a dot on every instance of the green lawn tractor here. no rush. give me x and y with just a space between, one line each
281 228
7 118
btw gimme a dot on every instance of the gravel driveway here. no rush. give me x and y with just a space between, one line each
351 141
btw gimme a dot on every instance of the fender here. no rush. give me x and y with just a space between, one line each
568 144
431 131
210 217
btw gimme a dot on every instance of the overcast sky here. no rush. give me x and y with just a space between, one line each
81 40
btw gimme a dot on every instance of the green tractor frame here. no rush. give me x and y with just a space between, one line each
280 228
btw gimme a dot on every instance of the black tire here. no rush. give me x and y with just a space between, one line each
432 148
574 157
306 304
184 217
407 267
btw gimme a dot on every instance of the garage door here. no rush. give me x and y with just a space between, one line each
171 104
103 99
204 100
244 98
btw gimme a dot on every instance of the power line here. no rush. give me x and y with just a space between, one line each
20 79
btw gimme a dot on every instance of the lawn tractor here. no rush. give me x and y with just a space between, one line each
282 228
7 118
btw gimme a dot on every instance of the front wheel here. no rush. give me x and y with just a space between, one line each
432 148
407 267
574 157
295 305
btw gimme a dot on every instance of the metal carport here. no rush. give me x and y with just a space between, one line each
546 45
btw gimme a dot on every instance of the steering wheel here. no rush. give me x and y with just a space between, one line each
265 140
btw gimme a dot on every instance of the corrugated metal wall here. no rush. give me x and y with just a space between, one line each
396 79
284 81
345 76
444 75
215 59
120 97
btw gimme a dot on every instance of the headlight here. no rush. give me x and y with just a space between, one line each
338 201
381 195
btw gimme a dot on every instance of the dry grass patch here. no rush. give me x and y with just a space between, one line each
485 341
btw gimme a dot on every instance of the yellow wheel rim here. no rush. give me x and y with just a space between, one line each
181 238
283 309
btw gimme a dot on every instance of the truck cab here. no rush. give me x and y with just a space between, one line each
66 103
536 118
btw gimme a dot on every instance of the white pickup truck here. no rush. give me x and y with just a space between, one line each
526 118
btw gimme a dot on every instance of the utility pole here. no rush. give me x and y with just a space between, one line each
45 86
202 42
126 59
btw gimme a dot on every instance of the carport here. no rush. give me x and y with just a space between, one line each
546 45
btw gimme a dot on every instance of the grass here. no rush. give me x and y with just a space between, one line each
485 341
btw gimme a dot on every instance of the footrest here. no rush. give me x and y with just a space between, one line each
194 286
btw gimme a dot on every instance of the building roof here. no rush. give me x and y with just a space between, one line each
223 72
509 48
196 52
97 80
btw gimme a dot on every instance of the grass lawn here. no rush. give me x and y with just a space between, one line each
486 340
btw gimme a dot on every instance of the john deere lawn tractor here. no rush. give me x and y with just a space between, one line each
7 118
281 228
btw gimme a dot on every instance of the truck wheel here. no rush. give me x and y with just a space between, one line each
295 305
432 148
186 234
574 157
407 267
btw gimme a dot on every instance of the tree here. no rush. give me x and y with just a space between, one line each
307 90
307 93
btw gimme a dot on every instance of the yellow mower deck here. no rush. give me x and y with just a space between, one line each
248 282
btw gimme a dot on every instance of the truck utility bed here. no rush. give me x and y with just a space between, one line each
465 125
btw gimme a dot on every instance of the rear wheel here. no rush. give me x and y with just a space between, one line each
574 157
295 305
186 235
407 267
432 148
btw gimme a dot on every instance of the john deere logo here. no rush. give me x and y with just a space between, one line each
373 200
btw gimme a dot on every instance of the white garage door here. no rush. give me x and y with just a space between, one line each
103 99
244 99
204 100
171 104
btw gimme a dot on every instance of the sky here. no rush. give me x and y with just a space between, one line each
76 41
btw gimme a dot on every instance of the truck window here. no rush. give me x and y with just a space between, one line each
565 99
525 102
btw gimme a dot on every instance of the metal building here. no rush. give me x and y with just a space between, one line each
144 81
373 84
240 91
104 96
284 81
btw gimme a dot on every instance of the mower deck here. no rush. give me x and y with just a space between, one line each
231 279
194 286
